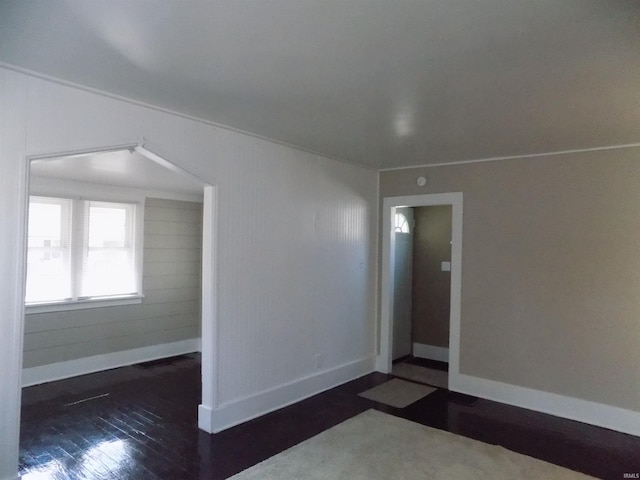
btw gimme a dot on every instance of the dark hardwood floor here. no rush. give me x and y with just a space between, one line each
140 422
423 362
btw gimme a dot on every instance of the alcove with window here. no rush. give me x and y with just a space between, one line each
114 262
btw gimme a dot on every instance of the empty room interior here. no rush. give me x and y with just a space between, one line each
319 239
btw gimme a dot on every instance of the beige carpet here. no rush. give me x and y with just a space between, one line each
398 393
430 376
378 446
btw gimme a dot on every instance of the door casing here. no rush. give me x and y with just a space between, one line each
455 200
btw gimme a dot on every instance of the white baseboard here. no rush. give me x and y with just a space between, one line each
239 411
614 418
431 352
205 415
96 363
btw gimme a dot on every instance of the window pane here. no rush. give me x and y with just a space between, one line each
108 267
49 250
107 226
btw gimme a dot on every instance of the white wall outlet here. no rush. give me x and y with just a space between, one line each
445 266
319 361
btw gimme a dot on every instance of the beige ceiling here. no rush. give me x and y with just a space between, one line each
384 83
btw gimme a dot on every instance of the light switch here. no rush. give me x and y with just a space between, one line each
445 266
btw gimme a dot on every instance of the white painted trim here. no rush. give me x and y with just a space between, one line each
385 341
97 363
455 199
516 157
209 316
209 308
83 304
377 278
83 152
205 418
239 411
431 352
169 166
601 415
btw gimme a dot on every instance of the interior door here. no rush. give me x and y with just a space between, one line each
402 280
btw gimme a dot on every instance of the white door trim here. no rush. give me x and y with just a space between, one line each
455 199
209 267
209 333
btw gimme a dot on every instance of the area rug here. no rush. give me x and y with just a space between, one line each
430 376
378 446
397 393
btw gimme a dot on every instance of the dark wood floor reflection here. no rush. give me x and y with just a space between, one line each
140 422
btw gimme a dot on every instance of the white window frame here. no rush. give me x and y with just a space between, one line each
79 237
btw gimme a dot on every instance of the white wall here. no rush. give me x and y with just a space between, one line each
296 246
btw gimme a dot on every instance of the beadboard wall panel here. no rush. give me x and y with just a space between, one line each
303 263
296 243
171 264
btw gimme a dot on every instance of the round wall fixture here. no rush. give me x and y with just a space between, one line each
422 181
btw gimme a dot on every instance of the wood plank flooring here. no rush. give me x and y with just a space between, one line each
140 422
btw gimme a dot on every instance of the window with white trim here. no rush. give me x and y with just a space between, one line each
81 250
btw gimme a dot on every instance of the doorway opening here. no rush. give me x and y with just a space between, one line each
397 337
422 287
120 185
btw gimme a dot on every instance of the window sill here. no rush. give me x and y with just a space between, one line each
83 304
